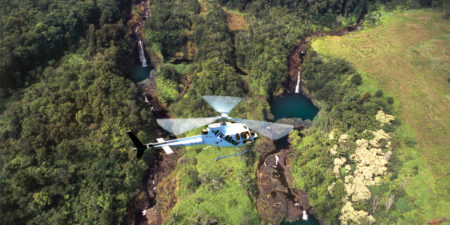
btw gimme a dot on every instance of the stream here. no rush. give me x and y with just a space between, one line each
283 203
140 71
278 199
144 209
294 103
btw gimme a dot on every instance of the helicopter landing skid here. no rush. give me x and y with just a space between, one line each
227 156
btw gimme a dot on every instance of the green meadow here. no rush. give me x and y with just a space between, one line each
213 190
407 56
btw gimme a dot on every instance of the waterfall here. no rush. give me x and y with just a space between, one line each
305 215
142 55
297 87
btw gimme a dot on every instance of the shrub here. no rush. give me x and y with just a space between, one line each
410 141
390 100
357 79
379 93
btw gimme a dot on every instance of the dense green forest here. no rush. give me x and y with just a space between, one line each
66 105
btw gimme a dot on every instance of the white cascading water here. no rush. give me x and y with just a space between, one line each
297 87
142 55
305 215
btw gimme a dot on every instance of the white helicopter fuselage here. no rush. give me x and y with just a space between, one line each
223 134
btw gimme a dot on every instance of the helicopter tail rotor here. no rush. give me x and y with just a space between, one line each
139 146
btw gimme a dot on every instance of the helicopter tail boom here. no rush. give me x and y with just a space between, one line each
139 146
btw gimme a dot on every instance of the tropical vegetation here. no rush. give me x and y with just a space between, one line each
67 103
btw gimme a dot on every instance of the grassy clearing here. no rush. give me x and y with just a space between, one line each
210 191
182 67
407 56
217 192
204 7
235 20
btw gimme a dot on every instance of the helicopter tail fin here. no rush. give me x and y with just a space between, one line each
166 148
139 146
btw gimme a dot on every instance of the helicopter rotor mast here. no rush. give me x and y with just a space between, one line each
222 105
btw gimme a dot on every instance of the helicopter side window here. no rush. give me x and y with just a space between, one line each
245 135
238 137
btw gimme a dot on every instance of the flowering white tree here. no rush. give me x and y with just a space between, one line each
370 165
360 216
384 118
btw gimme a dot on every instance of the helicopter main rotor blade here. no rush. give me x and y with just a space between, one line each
179 126
222 104
273 131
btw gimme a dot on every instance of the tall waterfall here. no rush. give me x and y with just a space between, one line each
142 55
305 215
297 87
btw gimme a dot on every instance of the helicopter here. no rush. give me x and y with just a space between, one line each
220 132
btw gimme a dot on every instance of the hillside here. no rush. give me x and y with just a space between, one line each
407 56
77 76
